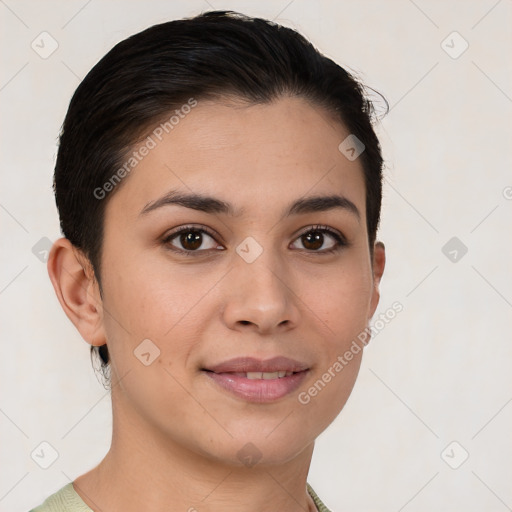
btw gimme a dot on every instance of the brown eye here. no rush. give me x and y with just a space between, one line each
313 240
190 239
321 240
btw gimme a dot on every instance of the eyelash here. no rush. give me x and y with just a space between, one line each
341 242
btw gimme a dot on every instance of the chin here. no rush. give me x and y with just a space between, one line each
259 447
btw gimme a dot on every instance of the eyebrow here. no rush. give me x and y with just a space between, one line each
213 205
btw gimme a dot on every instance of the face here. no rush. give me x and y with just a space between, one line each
258 273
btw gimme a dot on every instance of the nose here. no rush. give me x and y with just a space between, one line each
260 297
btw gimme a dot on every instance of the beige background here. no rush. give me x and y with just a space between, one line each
438 373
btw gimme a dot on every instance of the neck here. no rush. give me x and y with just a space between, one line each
143 470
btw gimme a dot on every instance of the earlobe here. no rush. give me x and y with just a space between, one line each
379 262
76 288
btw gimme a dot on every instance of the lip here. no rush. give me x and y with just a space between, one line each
227 376
258 390
252 364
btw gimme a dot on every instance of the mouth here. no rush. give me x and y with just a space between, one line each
247 364
260 375
258 381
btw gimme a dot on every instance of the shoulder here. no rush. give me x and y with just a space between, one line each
65 499
318 502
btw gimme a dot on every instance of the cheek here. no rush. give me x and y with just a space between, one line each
343 301
149 327
343 320
151 298
152 309
342 307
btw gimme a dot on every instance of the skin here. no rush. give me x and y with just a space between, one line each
176 434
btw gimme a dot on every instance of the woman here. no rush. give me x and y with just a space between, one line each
218 183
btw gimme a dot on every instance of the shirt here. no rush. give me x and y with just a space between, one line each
67 499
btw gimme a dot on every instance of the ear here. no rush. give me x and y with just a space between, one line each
77 289
378 264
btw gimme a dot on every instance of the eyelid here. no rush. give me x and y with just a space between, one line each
323 227
192 227
340 239
166 239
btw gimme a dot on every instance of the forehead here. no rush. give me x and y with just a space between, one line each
249 155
